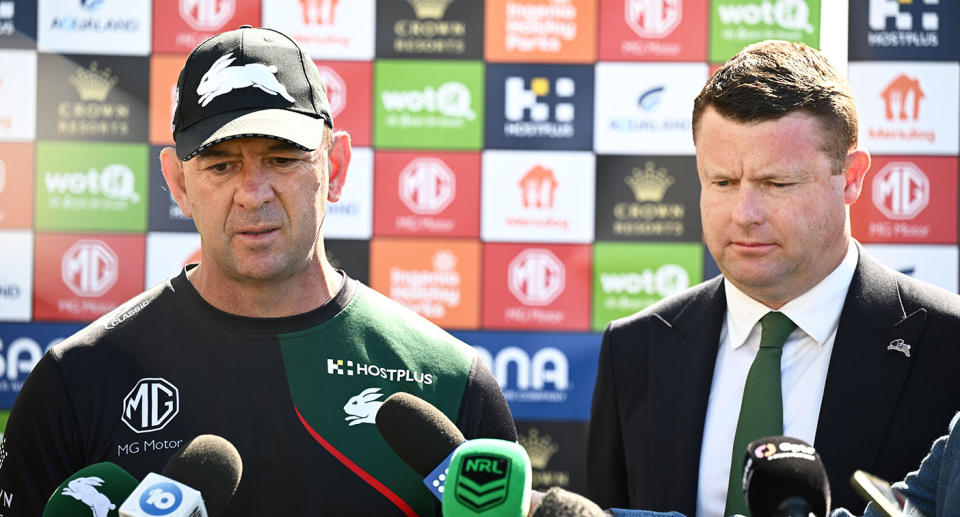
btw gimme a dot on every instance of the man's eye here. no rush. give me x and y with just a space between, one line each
219 167
721 183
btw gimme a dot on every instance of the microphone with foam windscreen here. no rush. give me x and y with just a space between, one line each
421 435
99 488
212 467
558 502
784 477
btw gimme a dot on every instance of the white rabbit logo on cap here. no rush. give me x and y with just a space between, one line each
223 78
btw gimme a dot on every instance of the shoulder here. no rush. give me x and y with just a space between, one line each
914 294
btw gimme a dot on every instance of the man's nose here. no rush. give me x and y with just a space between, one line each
255 188
748 206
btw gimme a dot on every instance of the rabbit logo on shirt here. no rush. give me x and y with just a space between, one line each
223 78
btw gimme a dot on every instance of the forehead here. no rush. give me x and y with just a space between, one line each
247 145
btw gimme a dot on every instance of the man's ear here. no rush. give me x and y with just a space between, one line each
855 170
173 173
338 161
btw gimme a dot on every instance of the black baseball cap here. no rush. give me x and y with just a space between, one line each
249 82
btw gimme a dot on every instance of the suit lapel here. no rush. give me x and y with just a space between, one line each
867 370
681 366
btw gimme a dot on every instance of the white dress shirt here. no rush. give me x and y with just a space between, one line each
803 370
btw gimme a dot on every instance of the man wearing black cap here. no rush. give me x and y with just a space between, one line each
264 342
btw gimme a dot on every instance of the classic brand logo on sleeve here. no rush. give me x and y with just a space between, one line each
223 78
151 405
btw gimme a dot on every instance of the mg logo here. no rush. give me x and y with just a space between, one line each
883 10
89 268
902 98
536 277
901 190
427 186
207 15
336 89
150 405
653 18
520 100
319 12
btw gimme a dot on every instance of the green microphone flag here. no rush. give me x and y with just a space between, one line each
488 477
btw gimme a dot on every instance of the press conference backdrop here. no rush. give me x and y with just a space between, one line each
534 171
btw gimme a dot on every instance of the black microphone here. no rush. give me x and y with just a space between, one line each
421 435
561 503
784 477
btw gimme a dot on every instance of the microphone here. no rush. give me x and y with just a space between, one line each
784 477
487 474
561 503
421 435
97 488
208 462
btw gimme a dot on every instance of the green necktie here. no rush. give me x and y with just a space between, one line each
761 412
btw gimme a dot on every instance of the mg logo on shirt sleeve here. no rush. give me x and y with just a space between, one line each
151 405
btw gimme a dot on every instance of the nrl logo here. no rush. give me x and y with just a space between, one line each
483 481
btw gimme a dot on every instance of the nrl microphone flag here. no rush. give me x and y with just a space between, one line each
486 474
99 488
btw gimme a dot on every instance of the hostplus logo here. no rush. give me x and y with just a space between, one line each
536 277
336 89
653 18
207 15
901 190
352 368
903 23
112 189
427 186
151 405
89 268
533 112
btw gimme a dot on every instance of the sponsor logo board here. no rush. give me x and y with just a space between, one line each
543 375
539 106
16 185
428 104
904 30
901 106
18 24
164 71
430 194
648 198
908 199
95 27
168 253
557 452
536 286
326 29
645 107
348 85
18 95
438 278
448 29
736 23
180 29
932 263
661 30
164 213
16 275
81 277
544 31
629 277
151 404
533 196
352 256
93 98
84 186
21 346
352 216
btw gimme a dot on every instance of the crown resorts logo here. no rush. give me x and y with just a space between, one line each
528 114
649 215
207 15
540 449
429 33
430 292
93 115
905 32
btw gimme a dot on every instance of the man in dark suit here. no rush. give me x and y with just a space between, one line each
865 365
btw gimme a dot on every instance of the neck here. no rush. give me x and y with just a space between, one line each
269 298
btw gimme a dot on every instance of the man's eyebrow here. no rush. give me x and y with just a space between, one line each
213 152
284 146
